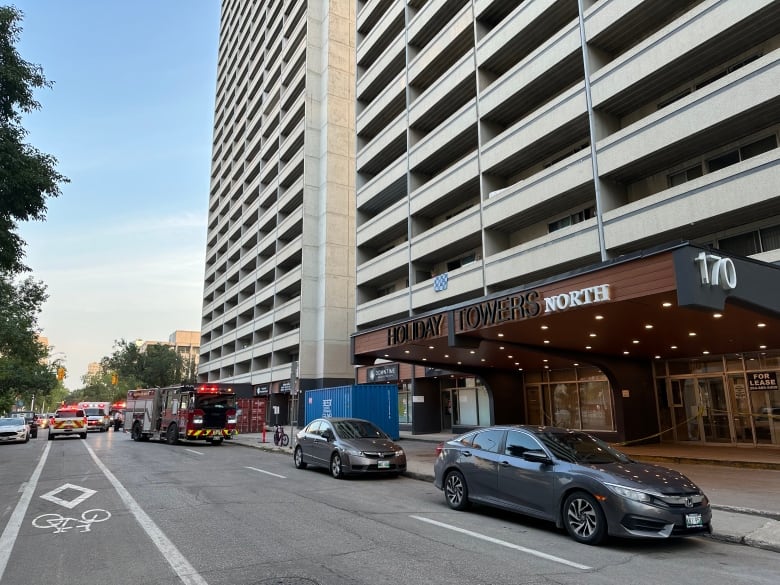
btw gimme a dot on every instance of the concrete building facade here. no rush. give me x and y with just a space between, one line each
278 304
503 144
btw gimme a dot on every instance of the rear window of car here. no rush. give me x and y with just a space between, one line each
69 414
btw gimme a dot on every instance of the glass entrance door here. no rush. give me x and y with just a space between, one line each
534 406
715 410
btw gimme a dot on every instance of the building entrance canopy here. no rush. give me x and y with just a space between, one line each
682 301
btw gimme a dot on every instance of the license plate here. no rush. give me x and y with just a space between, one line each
383 464
693 521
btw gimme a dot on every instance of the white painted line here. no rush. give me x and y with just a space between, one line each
8 538
177 561
52 495
194 451
529 551
266 472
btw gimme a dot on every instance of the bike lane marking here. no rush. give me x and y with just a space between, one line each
177 561
266 472
517 547
8 538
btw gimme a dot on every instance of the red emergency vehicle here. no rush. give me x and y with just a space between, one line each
193 412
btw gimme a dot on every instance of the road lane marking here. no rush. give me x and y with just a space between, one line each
8 538
266 472
529 551
170 553
194 451
70 504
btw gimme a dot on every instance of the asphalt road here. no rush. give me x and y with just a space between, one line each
111 511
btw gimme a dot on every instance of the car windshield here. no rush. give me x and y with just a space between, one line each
576 447
10 422
358 429
93 412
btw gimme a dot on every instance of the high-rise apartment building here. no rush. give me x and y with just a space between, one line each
279 289
519 159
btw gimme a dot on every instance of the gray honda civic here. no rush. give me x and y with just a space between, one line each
571 478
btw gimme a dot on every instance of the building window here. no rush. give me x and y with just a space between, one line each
754 242
577 217
685 176
743 153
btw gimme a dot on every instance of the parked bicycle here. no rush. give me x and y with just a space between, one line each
280 437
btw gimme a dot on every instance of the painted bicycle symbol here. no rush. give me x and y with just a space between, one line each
63 523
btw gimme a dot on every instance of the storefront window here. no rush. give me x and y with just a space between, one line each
596 405
566 406
404 403
579 398
472 406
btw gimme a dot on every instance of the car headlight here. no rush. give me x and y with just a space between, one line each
399 453
353 452
630 493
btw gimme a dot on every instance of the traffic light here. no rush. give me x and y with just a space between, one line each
114 379
60 373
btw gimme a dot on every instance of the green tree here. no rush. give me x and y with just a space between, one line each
27 176
158 365
24 367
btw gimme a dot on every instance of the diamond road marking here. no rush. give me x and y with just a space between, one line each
69 504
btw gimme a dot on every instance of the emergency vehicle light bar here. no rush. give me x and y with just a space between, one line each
212 390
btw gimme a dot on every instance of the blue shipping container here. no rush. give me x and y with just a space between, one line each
375 402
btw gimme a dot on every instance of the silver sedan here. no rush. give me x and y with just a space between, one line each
14 430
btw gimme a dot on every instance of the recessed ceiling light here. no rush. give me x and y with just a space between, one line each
547 341
674 347
546 366
406 351
500 334
576 364
446 355
500 347
635 341
430 347
761 325
482 360
592 334
425 359
667 304
472 352
705 352
658 357
599 317
545 361
510 356
762 347
717 315
587 347
544 327
517 364
692 334
648 326
387 355
459 363
625 353
520 369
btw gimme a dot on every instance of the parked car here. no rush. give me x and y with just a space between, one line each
14 429
570 478
348 446
30 417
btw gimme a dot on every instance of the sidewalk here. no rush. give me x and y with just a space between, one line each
741 482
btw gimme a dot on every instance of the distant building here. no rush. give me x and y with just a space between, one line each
185 343
94 369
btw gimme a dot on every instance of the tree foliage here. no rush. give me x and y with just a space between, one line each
24 362
27 176
157 365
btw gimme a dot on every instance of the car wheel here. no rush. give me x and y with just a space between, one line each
172 434
336 468
27 438
456 492
83 436
135 434
298 459
584 519
51 437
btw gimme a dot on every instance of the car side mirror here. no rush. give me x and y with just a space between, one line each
536 456
327 434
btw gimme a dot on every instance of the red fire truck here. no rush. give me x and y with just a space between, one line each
200 412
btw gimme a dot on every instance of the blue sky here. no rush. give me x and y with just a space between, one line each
130 121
